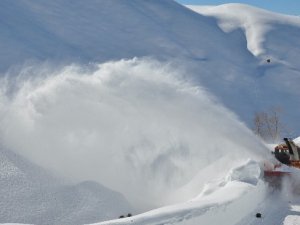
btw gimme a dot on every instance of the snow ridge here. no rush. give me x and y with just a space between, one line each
255 22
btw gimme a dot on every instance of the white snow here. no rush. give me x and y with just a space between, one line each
271 36
97 31
297 141
291 220
255 22
138 96
235 198
154 133
31 195
63 32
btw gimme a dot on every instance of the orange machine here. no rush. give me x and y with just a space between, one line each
288 156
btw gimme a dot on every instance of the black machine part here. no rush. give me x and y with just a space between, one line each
282 157
287 141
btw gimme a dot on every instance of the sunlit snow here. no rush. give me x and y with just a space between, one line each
143 108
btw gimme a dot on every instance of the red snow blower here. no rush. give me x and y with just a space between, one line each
288 156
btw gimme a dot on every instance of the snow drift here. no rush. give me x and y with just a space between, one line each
227 202
135 126
29 194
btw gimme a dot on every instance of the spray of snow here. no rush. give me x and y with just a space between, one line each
297 141
135 126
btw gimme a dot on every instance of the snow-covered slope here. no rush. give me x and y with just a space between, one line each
269 36
258 24
148 128
105 30
31 195
224 62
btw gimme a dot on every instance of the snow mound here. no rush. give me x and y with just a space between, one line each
228 204
31 195
248 173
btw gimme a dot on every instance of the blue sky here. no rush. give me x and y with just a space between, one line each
283 6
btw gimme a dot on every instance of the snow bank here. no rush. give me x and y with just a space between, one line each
227 204
135 126
248 173
31 195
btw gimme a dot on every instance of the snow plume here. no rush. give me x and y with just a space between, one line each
136 126
290 185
